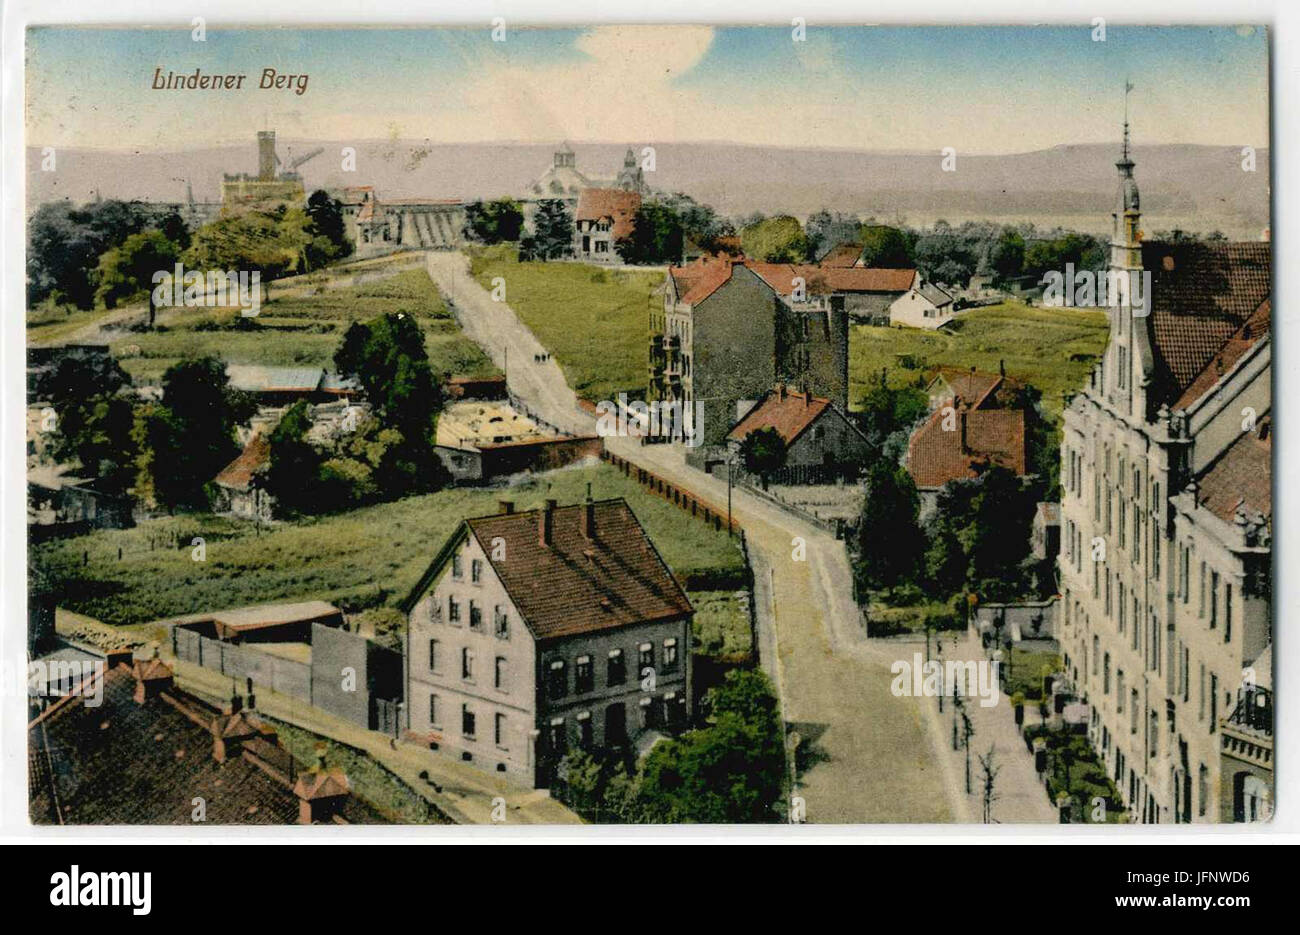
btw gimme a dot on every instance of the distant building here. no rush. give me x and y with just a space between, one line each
976 388
271 186
533 634
842 255
562 180
1045 534
924 305
241 484
284 386
631 178
376 228
822 443
604 216
1166 461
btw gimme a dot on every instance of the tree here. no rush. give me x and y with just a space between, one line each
325 226
730 771
762 452
387 357
886 411
1007 256
889 539
775 240
93 423
292 476
825 230
126 271
656 236
494 222
699 222
885 247
273 243
552 236
191 435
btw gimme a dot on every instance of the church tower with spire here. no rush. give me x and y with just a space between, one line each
1130 363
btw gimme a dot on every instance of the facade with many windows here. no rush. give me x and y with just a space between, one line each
533 634
1165 524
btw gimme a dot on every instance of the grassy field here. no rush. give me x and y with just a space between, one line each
366 558
303 327
1052 349
593 320
722 627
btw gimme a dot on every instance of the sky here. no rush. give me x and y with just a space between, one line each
981 90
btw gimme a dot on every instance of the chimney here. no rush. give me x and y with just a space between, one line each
546 523
321 792
780 389
506 507
236 703
229 733
1002 367
152 678
589 516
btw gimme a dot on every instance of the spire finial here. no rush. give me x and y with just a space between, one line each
1128 87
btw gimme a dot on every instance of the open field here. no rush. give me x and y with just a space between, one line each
302 326
365 558
1052 349
594 320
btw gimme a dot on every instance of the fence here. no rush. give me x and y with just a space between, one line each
683 499
244 662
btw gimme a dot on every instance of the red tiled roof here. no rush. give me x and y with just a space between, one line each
1201 296
616 204
698 281
972 386
1243 474
576 584
1233 350
823 280
255 456
789 413
842 255
997 436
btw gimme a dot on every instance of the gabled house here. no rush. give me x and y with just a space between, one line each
958 443
604 216
924 305
822 443
241 485
535 633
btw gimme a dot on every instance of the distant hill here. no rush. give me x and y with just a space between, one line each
1193 187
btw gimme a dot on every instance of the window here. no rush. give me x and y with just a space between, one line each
1227 613
1203 789
558 737
1200 612
615 724
475 617
467 721
1134 711
1096 651
645 657
1105 675
1184 573
670 655
453 610
467 664
582 675
644 713
1153 733
433 655
585 737
557 682
457 571
1214 599
476 570
500 623
1119 690
499 730
1123 522
616 670
1200 702
1214 703
500 674
434 720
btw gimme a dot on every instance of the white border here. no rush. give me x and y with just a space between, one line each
1283 19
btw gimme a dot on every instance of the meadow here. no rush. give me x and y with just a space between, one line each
366 558
594 320
302 327
1052 349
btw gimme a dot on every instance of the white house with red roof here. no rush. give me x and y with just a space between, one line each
604 216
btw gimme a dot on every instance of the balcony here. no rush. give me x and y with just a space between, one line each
1248 731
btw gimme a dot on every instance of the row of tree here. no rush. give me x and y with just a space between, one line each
107 252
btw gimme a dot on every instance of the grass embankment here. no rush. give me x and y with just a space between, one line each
365 558
594 320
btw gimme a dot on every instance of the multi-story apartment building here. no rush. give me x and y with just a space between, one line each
730 330
1165 527
535 633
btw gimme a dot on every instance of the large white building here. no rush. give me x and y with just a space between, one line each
1165 529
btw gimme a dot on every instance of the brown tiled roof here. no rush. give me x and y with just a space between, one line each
576 584
1243 474
823 280
255 456
972 386
789 413
1234 349
124 763
1202 294
993 436
614 203
842 255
